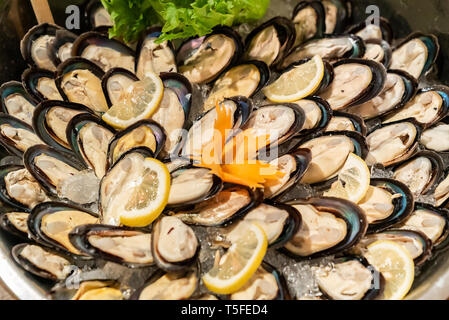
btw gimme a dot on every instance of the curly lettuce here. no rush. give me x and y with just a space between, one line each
180 18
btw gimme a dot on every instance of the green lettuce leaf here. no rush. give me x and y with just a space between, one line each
180 18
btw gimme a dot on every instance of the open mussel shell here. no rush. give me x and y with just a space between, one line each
372 31
16 101
153 57
115 82
34 46
379 51
5 198
337 15
309 20
41 84
178 285
330 47
32 258
342 121
400 87
202 130
350 218
16 136
355 82
49 224
318 114
95 46
294 165
441 192
230 204
15 223
278 220
424 46
78 74
89 138
369 283
144 133
175 245
281 33
331 145
402 201
89 288
43 162
97 15
191 185
431 221
417 243
197 64
50 121
421 172
393 142
116 244
274 288
431 102
244 79
61 47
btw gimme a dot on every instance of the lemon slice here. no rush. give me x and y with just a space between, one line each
140 101
240 262
149 196
353 180
396 265
299 82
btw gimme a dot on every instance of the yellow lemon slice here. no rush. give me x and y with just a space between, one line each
240 262
353 180
396 265
149 197
140 101
298 83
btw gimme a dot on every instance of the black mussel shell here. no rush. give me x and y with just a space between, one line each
13 87
194 271
93 38
378 284
30 80
186 49
38 174
79 237
357 50
181 86
188 215
433 48
384 25
91 10
403 205
32 35
47 208
8 226
158 132
437 168
63 38
7 143
318 7
31 268
352 214
285 32
44 130
387 52
343 15
356 121
108 76
326 115
5 198
76 144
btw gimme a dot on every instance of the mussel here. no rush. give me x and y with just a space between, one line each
106 53
115 82
337 14
318 114
441 193
16 136
89 138
435 138
89 289
342 121
60 49
379 51
15 223
416 54
97 15
127 246
372 31
355 82
41 84
154 57
202 60
271 41
329 226
309 20
16 101
79 80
